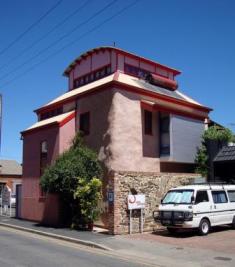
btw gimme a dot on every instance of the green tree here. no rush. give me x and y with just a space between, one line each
215 133
74 170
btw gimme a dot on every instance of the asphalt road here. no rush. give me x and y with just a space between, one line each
20 249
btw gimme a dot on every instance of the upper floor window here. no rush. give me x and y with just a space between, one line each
92 76
85 123
51 113
135 71
43 156
164 123
148 122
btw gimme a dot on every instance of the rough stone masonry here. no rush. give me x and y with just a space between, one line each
152 185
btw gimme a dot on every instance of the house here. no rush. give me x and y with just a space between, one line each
145 131
10 174
224 164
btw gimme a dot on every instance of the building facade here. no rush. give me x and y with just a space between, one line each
130 111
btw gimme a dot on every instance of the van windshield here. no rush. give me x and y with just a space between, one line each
178 197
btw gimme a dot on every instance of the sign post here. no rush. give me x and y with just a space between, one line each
136 202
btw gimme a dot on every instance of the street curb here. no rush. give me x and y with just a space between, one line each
59 237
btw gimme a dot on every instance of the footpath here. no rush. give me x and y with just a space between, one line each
147 248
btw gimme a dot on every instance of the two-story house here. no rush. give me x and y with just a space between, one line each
132 114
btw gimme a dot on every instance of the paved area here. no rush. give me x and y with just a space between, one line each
221 239
159 248
28 250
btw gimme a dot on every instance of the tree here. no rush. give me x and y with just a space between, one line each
73 172
213 133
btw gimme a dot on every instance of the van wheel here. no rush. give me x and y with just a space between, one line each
233 223
204 227
172 230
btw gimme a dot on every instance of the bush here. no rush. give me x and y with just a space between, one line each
72 176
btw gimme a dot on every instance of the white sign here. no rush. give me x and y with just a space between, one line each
136 202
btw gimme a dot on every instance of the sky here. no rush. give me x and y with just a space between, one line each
39 39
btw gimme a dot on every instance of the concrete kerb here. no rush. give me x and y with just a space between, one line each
59 237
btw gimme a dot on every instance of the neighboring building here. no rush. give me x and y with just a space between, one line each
224 164
10 174
131 113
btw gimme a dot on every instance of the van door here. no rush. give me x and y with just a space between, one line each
202 205
221 208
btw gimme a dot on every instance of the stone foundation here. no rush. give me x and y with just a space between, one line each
153 185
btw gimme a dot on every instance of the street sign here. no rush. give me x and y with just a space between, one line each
136 202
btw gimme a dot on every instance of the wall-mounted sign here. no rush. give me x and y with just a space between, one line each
136 202
110 196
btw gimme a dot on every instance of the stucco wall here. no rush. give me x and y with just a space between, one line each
132 150
185 138
31 170
116 131
66 135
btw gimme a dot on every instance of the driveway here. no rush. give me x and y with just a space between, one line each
220 239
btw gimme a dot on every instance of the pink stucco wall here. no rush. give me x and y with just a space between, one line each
31 170
67 132
35 206
116 131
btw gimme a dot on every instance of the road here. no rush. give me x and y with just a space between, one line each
20 249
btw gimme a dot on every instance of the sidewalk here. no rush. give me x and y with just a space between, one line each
92 239
158 249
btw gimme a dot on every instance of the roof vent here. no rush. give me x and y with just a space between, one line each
161 81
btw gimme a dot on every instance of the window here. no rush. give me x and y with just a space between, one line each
85 123
178 197
148 122
219 197
135 71
164 123
231 195
202 196
92 76
43 156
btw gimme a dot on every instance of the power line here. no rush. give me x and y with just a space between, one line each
19 37
59 39
72 43
24 51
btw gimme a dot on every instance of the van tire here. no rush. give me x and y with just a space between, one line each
172 230
233 223
204 227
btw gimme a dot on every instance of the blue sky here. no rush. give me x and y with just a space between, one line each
196 37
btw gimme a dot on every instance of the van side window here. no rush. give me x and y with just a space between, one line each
202 196
231 195
219 197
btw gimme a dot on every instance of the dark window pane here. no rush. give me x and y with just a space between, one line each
219 197
85 123
148 122
202 196
231 196
164 124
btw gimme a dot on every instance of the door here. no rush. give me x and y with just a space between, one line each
203 206
221 207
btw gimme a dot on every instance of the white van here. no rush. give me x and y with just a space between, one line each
197 206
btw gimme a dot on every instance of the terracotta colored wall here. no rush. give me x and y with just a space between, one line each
66 135
32 204
116 131
132 150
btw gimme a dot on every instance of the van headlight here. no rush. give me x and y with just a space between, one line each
188 215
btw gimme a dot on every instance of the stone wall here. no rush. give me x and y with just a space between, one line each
153 185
